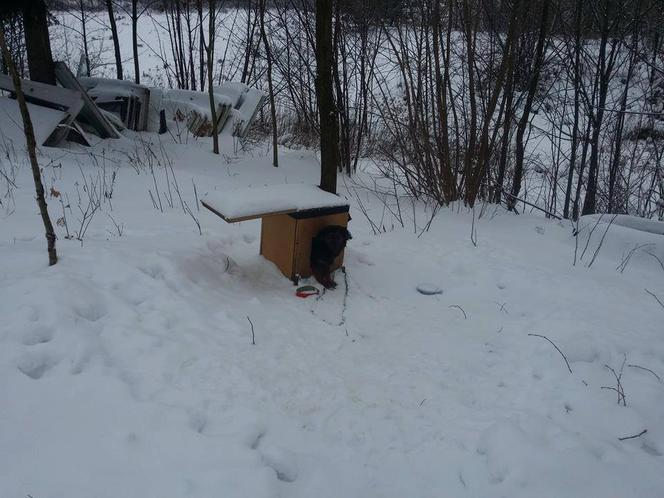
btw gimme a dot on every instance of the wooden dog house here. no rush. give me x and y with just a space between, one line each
291 216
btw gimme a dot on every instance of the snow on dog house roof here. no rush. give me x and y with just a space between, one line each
258 202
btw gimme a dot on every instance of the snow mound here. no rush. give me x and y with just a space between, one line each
633 222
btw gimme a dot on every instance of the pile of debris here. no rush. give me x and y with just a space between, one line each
104 107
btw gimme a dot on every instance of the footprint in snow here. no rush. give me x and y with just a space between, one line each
274 458
39 334
198 421
90 311
35 366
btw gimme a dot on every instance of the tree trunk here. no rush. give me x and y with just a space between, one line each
473 182
134 40
525 117
116 40
329 125
37 43
210 68
31 145
577 95
84 32
506 138
605 68
273 108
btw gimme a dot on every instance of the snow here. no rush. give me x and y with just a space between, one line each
44 121
428 289
633 222
127 369
232 90
253 202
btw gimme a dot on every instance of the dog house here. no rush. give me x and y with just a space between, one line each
291 216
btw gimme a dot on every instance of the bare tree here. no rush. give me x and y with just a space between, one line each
32 153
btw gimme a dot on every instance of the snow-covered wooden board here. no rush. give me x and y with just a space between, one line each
256 202
89 112
51 96
45 121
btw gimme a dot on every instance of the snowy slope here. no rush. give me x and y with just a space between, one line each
127 370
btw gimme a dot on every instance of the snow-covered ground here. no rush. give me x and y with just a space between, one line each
128 370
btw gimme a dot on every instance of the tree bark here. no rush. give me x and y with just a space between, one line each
84 32
134 40
37 43
32 154
329 124
116 40
577 95
210 66
525 117
273 108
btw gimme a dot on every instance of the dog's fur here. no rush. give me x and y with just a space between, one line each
325 247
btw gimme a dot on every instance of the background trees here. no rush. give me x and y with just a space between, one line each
557 103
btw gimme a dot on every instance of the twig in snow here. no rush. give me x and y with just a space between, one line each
647 370
154 204
634 436
557 348
575 232
198 204
623 264
343 305
590 236
473 231
190 213
502 307
601 241
657 258
655 296
465 317
118 227
619 387
253 337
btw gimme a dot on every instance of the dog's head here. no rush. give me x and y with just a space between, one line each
333 238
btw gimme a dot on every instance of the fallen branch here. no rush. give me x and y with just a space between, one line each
518 199
634 436
343 305
557 348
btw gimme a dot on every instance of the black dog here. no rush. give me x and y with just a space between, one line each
325 247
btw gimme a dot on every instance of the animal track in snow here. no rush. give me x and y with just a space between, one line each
35 366
39 334
198 421
90 311
285 473
274 458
